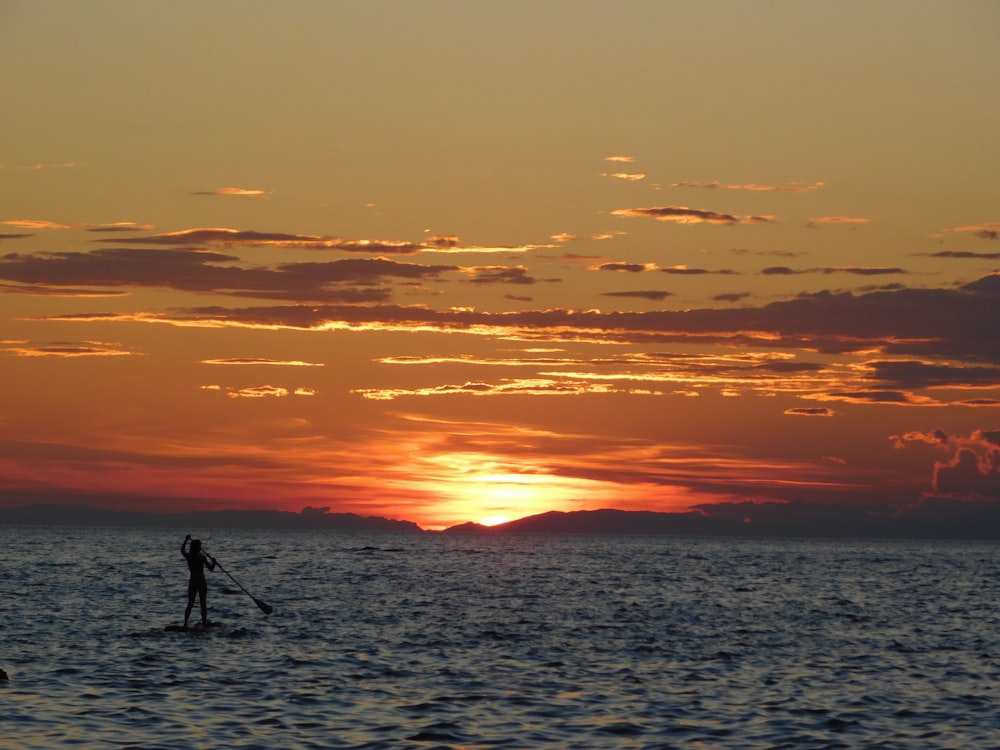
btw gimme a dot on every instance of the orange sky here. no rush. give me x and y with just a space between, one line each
451 261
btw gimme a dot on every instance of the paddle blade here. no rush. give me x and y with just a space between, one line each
264 606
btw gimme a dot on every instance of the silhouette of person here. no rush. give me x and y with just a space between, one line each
197 585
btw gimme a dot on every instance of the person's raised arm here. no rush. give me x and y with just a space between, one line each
184 544
210 561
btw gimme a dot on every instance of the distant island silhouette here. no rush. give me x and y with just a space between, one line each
308 518
934 518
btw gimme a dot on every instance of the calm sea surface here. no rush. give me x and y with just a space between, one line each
431 641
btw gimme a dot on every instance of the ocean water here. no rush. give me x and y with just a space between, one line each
433 641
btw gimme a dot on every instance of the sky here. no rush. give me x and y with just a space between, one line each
449 261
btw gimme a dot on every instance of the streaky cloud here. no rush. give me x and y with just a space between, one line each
792 187
120 226
259 391
532 387
627 176
236 192
41 290
891 398
685 215
238 237
837 220
37 166
987 231
260 361
64 349
36 224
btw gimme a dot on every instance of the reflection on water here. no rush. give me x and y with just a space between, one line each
389 641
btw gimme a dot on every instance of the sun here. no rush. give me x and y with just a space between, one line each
491 490
493 520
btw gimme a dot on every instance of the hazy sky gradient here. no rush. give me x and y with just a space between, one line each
448 261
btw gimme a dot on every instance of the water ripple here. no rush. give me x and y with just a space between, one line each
435 642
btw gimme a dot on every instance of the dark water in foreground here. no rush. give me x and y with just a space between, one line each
427 641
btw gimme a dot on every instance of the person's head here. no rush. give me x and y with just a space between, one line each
196 545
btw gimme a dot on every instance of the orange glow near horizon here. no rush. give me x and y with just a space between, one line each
459 487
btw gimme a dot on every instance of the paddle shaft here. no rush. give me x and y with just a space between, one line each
264 606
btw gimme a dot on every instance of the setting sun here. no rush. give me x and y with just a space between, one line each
493 520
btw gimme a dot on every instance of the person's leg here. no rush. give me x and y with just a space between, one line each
203 593
192 590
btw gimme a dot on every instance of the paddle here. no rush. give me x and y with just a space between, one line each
264 606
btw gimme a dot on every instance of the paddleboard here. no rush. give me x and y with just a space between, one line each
212 627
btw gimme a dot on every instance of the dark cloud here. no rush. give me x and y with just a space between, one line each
819 411
978 402
973 470
788 366
654 296
770 253
14 236
686 271
364 270
183 269
442 241
209 271
235 237
216 236
963 254
920 374
955 323
856 270
628 267
731 297
969 473
501 275
863 270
